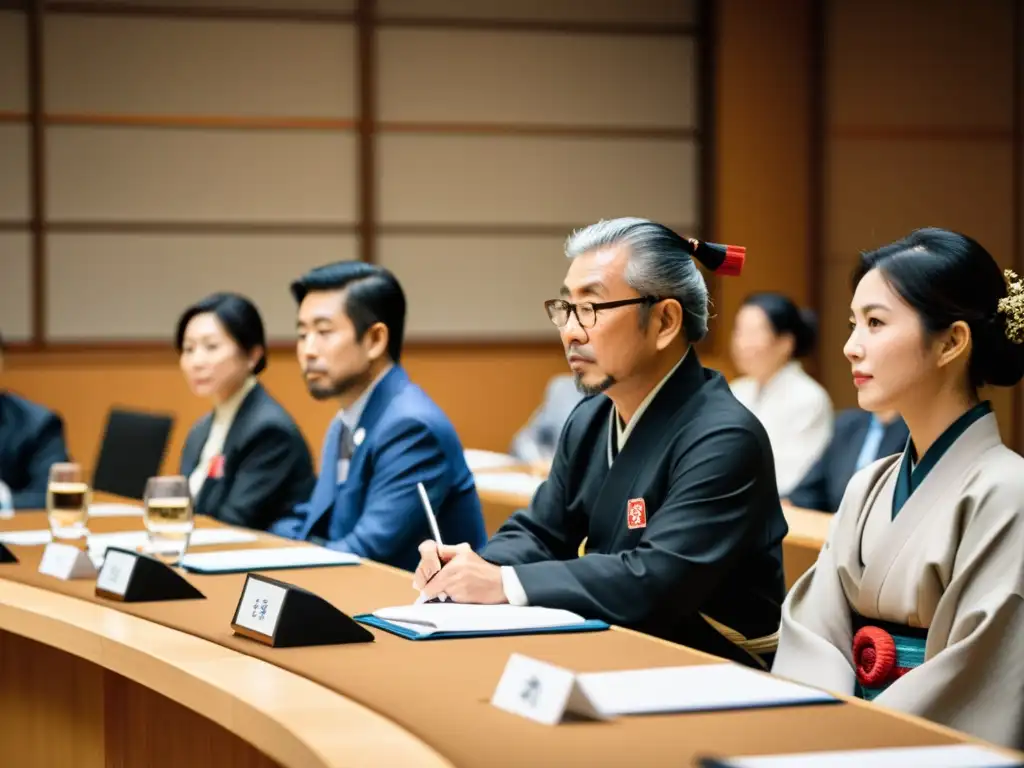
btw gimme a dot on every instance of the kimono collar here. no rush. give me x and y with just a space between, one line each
911 473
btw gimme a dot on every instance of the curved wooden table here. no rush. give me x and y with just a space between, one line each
88 683
89 686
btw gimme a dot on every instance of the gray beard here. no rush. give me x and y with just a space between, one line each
597 389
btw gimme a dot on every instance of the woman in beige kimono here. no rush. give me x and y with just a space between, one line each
917 598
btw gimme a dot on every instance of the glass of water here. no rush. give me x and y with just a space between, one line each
168 517
67 503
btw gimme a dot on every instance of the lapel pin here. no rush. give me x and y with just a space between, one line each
357 438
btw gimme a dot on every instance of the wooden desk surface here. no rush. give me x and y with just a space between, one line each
431 697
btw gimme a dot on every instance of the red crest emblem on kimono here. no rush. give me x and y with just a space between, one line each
216 467
636 514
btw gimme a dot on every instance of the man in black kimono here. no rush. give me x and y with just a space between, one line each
661 511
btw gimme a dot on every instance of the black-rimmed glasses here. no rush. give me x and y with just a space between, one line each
586 312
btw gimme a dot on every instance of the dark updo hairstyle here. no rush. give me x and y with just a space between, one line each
786 317
240 318
945 277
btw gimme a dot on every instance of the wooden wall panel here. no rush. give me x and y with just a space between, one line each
15 286
119 174
591 11
920 63
155 279
919 133
14 172
123 65
13 61
535 180
242 5
507 77
489 287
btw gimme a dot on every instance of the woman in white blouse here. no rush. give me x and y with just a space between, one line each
770 335
247 462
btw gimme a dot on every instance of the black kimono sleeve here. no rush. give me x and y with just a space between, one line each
547 530
694 538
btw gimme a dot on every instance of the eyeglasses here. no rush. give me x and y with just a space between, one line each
586 312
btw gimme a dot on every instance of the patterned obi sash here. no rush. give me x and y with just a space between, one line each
883 652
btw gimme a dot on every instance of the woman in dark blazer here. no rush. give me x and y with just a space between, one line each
246 461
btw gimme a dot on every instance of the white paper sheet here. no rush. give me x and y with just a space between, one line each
952 756
698 688
522 483
479 460
115 510
201 537
266 559
426 618
26 538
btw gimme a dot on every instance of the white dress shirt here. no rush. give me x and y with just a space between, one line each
796 412
223 417
510 583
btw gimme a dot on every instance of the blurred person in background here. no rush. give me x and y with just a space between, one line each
769 337
31 440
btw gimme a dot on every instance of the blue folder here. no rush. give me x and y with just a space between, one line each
591 625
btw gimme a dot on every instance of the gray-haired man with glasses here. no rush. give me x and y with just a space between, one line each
661 511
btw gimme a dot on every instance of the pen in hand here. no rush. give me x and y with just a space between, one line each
437 539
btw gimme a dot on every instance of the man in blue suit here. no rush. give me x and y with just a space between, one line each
31 441
389 435
858 439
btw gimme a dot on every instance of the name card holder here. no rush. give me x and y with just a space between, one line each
542 692
130 577
6 556
65 562
283 615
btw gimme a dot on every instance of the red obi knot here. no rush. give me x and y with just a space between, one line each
874 654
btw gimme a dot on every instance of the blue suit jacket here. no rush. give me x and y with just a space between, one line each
823 486
31 440
376 513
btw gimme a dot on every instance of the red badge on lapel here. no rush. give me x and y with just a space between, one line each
636 514
216 467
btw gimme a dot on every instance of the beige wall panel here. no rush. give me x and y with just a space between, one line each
14 172
286 5
453 75
591 11
920 63
13 60
140 284
880 190
132 174
97 64
535 180
477 287
15 285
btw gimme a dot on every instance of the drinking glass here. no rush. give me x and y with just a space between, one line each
168 517
67 503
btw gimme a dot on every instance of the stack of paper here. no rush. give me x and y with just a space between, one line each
436 620
697 688
478 460
26 538
518 483
200 537
242 560
952 756
115 510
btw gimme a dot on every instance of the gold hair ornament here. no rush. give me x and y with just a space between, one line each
1013 307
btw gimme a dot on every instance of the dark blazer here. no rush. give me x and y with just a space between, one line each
31 441
708 538
267 466
376 512
823 486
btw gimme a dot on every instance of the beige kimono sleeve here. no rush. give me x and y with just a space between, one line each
816 632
